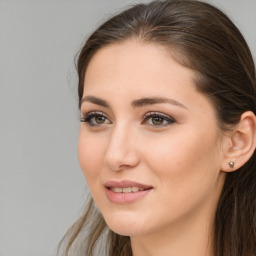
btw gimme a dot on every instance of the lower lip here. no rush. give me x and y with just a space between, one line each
123 198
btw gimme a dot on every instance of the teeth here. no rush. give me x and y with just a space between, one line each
126 190
135 189
117 190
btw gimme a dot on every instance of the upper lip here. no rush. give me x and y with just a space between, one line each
125 184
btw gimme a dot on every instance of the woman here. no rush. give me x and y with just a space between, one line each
167 94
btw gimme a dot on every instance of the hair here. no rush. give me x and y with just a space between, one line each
202 38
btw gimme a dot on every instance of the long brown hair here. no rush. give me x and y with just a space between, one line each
201 37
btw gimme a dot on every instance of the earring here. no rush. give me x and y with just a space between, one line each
231 164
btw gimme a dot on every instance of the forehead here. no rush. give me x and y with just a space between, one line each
132 69
137 63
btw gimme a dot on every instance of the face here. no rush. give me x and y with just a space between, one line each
149 145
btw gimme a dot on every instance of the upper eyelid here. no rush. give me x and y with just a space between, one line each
151 113
86 114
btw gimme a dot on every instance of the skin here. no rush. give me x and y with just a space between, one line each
181 160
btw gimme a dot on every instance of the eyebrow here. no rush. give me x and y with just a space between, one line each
135 103
95 100
156 100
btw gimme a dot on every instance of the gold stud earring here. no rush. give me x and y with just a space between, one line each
231 164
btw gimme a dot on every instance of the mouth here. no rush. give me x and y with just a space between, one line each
126 191
126 186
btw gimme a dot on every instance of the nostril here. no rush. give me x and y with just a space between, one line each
121 161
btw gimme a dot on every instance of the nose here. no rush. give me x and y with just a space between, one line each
121 152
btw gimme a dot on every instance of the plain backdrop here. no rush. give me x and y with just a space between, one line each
41 186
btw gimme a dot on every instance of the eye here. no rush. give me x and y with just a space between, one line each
157 119
95 119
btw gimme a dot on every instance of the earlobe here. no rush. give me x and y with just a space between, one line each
243 143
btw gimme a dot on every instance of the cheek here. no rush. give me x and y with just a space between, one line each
182 148
90 155
186 171
185 164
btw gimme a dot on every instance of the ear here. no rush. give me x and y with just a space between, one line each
241 143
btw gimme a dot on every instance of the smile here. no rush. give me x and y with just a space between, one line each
126 190
123 192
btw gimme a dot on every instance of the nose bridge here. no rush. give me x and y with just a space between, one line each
121 151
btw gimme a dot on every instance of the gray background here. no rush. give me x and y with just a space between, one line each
41 186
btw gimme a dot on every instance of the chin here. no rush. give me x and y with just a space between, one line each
125 226
126 231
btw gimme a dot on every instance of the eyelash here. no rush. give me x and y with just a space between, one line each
169 120
88 118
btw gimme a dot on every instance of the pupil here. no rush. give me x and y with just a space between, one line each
100 119
157 120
